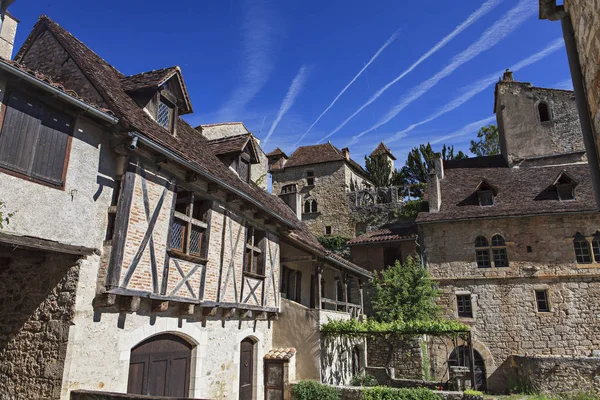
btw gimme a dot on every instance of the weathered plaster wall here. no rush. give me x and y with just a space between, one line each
505 317
108 337
329 191
522 135
585 16
37 298
76 215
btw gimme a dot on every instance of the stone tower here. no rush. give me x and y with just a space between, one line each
387 153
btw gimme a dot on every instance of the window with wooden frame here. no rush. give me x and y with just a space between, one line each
291 284
482 252
166 109
499 251
35 140
254 257
541 300
310 178
310 206
582 249
464 306
188 227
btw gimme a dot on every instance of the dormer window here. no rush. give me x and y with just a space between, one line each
163 116
485 197
565 186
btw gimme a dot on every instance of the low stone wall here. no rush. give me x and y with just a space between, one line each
552 374
355 393
403 354
93 395
382 377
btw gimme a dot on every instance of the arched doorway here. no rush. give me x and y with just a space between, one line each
246 369
355 361
460 357
160 366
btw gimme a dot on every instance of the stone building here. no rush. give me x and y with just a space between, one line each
322 183
514 243
580 20
141 258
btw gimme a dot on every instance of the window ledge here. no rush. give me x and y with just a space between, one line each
186 257
254 275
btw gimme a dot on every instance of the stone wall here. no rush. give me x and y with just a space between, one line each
403 354
522 135
585 17
505 317
37 296
552 374
336 358
329 191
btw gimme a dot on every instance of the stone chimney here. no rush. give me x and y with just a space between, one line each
346 153
434 192
508 76
8 30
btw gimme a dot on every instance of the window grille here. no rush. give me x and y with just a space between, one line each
486 198
464 306
163 117
541 298
254 260
582 249
482 252
310 178
189 224
499 251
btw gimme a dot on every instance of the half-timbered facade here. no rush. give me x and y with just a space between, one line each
137 260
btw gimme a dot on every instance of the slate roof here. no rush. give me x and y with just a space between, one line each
320 153
280 354
231 144
187 144
521 191
383 149
388 233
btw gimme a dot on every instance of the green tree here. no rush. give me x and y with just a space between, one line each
405 292
419 163
488 143
379 170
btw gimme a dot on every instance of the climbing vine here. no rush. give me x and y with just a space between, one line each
354 327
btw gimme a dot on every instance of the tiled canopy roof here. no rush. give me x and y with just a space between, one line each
188 144
383 149
520 191
280 354
320 153
388 233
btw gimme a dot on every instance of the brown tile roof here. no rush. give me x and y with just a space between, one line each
383 149
521 191
56 85
277 152
231 144
189 144
320 153
280 354
388 233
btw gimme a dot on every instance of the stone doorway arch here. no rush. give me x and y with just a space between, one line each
460 357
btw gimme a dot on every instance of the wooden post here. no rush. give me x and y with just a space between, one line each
344 279
472 361
360 290
318 275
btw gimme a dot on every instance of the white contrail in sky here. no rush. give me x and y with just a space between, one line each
479 86
465 130
257 58
566 84
484 9
289 99
494 34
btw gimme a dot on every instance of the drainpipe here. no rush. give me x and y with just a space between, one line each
589 136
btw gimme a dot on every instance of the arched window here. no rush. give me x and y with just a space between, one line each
596 246
544 111
313 206
582 249
499 251
482 252
310 206
307 207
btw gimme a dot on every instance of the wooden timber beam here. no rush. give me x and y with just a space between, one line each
209 311
191 176
104 300
42 244
232 198
185 309
129 303
228 312
297 259
159 306
245 314
212 188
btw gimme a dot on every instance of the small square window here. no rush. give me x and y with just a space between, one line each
464 307
541 298
310 178
328 230
529 249
486 198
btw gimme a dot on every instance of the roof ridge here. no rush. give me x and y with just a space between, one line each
221 123
225 138
176 67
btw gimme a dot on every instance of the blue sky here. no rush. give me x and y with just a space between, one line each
278 65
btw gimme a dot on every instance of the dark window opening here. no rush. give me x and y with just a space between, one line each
390 255
310 178
565 191
544 112
541 298
310 206
463 303
582 249
189 224
529 249
254 259
244 169
35 139
339 290
355 361
328 230
485 197
291 284
289 189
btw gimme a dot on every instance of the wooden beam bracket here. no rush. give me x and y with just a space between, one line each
129 303
159 306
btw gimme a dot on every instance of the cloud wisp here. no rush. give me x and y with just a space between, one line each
490 37
465 130
566 84
470 91
381 49
289 99
476 15
257 58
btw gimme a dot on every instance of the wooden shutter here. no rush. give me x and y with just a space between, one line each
19 133
298 286
51 147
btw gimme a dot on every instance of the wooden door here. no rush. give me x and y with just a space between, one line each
160 366
246 369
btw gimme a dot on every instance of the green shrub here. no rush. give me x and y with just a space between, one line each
312 390
388 393
363 380
472 392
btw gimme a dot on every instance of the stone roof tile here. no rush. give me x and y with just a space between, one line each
280 354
